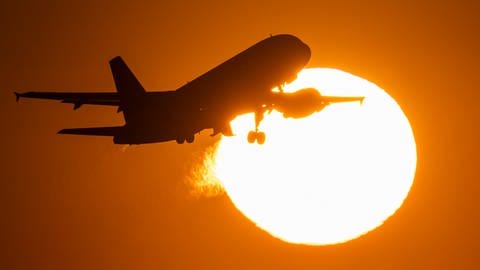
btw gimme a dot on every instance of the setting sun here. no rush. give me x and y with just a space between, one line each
327 178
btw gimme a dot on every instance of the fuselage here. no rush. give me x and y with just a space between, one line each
240 85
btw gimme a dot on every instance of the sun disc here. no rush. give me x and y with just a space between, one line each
327 178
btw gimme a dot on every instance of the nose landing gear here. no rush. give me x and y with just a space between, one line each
258 136
255 135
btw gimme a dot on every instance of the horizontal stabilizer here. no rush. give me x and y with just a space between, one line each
96 131
75 98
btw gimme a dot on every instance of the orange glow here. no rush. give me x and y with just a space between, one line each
201 179
327 178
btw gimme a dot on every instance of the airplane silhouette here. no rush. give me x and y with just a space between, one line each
242 84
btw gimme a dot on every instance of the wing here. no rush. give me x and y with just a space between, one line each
76 98
95 131
333 99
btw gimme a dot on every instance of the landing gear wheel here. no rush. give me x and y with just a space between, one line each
252 136
260 137
190 138
180 140
255 135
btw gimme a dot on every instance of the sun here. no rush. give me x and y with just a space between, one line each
327 178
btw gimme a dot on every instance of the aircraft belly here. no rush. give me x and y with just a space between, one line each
166 126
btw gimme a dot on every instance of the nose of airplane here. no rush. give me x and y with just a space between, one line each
306 52
302 50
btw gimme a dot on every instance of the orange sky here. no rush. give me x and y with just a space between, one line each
80 202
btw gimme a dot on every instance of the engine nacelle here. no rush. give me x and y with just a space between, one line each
299 104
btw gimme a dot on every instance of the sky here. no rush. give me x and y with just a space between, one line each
83 202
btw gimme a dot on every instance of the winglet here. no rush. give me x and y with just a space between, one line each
361 101
17 96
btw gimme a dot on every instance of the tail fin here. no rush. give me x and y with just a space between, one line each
129 88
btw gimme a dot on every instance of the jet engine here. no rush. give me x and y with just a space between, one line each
299 104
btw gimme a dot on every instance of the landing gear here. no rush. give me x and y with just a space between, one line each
188 139
261 137
252 136
255 135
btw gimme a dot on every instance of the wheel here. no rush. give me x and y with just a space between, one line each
261 137
180 140
252 136
190 138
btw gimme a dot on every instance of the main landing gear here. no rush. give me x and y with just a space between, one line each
255 135
189 139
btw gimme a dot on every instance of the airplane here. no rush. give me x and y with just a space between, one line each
242 84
